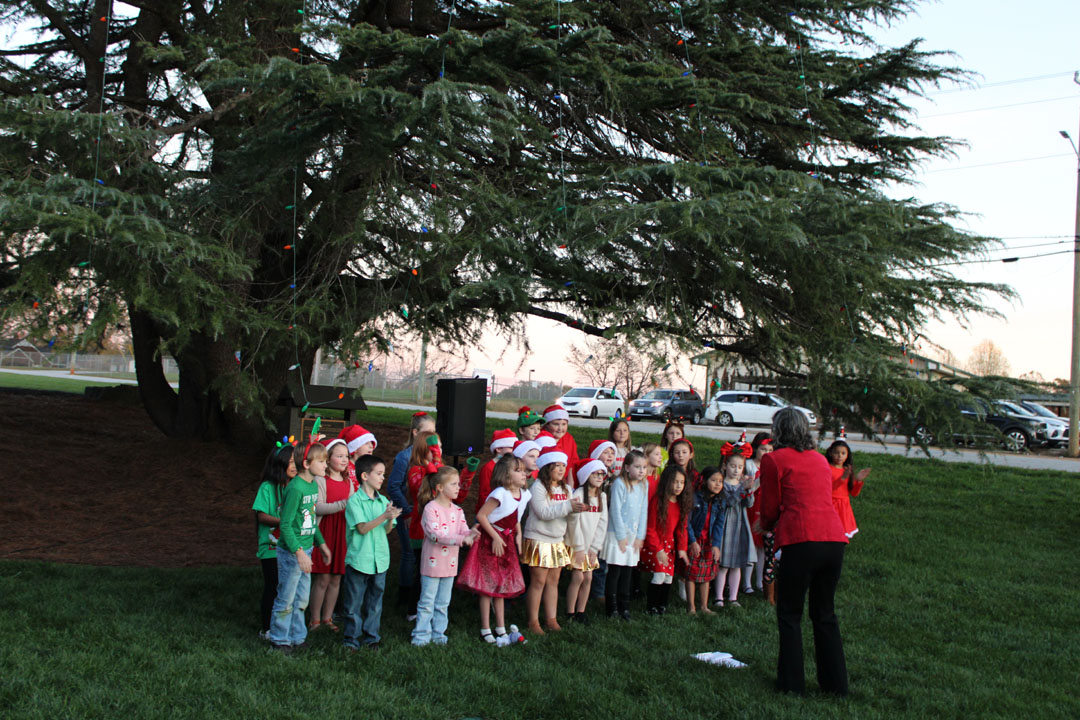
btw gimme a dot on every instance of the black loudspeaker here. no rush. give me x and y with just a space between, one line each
461 405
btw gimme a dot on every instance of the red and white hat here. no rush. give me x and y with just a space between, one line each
841 435
598 446
551 455
545 440
555 412
356 436
523 446
502 439
336 441
586 467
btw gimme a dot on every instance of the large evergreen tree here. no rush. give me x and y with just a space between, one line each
274 176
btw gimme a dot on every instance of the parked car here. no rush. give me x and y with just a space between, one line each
592 402
1057 428
1019 432
747 407
1042 411
668 404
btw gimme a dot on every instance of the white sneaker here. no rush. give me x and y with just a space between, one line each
410 618
264 635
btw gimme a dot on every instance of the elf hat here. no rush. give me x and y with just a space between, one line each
356 436
545 440
502 439
521 447
598 446
586 467
527 416
551 455
555 412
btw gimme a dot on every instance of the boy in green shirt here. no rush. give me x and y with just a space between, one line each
369 517
299 532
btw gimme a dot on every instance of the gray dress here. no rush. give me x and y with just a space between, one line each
737 549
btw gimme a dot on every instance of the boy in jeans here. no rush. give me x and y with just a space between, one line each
299 533
369 517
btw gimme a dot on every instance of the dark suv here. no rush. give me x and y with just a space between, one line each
668 404
1019 432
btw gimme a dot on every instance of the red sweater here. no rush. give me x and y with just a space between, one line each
796 498
568 445
671 539
483 485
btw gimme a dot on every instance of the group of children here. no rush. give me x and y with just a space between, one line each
607 518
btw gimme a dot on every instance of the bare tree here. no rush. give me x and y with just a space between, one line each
620 364
987 359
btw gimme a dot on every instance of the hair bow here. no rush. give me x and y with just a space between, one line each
743 449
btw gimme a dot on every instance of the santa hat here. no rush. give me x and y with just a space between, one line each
336 441
545 440
551 455
555 412
502 439
527 416
523 446
598 446
355 436
586 467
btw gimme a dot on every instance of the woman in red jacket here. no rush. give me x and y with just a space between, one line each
796 504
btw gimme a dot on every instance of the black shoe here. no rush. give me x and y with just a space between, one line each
583 618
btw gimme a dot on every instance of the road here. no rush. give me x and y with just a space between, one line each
893 445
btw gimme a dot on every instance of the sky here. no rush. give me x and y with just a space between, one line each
1023 56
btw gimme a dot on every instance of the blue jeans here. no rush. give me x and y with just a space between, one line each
431 615
407 570
363 606
287 626
599 579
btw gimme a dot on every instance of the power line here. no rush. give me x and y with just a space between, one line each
1034 245
1014 81
999 162
1001 260
999 107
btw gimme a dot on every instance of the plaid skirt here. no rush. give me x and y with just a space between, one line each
703 568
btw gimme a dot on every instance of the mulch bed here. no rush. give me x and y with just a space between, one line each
97 483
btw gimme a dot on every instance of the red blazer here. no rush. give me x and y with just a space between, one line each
796 498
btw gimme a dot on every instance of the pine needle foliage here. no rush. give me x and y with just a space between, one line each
271 177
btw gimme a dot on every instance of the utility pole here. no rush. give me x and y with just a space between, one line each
1074 366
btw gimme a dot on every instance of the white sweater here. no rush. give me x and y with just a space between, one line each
547 515
585 530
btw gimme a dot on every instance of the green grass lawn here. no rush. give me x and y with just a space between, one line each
38 382
958 599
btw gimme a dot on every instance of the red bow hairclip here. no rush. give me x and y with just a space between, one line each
743 449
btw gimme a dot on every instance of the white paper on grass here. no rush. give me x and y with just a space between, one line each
720 658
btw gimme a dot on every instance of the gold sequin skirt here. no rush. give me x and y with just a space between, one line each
544 554
584 565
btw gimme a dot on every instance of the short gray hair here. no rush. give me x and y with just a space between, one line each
790 428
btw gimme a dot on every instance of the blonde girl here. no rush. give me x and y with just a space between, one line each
585 535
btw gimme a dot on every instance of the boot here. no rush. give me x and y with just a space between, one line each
652 598
665 593
535 629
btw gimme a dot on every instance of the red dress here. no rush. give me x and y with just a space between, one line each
842 491
672 540
332 528
702 569
485 574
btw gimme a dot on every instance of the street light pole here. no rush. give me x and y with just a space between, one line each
1074 366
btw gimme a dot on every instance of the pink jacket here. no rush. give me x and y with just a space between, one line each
444 530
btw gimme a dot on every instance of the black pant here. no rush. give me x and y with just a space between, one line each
617 589
266 605
813 566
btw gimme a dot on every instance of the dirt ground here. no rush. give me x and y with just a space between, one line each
94 482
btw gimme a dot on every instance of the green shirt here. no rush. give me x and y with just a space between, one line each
267 500
368 553
299 526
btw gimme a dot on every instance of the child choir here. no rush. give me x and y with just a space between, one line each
608 519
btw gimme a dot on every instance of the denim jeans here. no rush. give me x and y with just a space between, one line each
599 579
363 606
407 569
287 626
431 611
